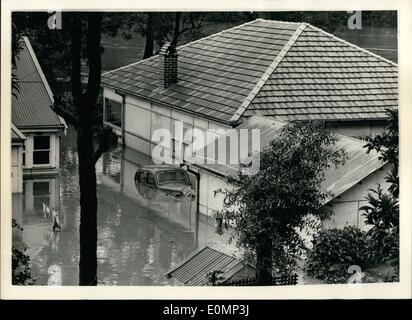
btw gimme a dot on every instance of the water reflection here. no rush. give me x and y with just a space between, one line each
139 240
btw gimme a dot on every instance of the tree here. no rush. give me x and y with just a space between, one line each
382 213
382 210
83 116
266 210
15 48
387 145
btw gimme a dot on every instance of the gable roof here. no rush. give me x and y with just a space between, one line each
291 71
16 135
32 106
192 271
357 166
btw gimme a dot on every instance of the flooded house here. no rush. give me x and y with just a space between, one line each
280 71
33 116
36 134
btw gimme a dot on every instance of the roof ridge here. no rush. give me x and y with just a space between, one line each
352 45
182 46
278 21
261 82
38 68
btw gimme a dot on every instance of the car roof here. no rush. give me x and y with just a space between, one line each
161 167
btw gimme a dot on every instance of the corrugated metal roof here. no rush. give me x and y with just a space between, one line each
317 76
32 106
192 271
358 164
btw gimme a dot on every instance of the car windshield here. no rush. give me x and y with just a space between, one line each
172 176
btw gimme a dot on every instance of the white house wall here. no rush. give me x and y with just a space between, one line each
16 168
54 150
345 207
360 129
142 118
208 202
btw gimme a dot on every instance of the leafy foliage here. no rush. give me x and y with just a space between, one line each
334 251
21 271
15 49
382 212
387 145
267 209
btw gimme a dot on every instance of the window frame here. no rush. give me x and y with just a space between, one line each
42 150
106 101
148 174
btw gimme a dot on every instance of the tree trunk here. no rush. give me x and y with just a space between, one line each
264 260
148 49
88 205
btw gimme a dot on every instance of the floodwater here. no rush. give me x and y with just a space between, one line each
138 240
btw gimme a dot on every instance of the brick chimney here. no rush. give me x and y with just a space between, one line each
167 65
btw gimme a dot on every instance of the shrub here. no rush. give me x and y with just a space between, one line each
334 251
382 213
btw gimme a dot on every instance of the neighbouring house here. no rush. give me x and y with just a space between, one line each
194 269
348 183
17 146
271 69
33 116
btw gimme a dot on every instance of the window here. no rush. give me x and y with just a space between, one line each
150 179
113 112
141 177
41 194
24 155
172 176
41 150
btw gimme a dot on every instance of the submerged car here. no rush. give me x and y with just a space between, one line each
169 180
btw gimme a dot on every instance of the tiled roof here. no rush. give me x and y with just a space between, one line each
357 166
192 271
31 108
215 73
324 77
289 71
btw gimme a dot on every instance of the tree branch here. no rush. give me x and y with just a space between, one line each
177 33
61 111
105 139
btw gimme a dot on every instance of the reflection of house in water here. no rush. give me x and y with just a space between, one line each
37 191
